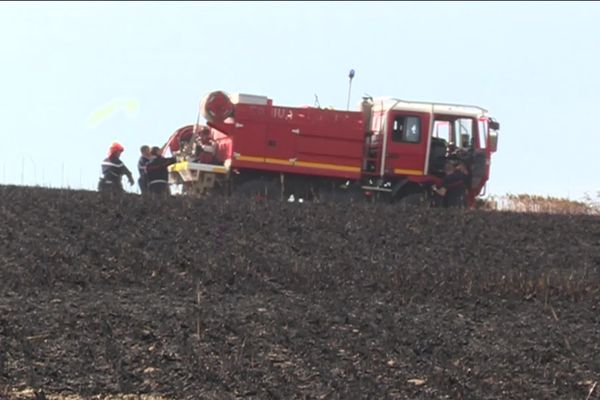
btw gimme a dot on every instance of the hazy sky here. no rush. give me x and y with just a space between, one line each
534 65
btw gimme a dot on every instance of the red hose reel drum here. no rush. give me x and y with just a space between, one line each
216 106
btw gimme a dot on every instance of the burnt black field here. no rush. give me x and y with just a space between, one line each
222 298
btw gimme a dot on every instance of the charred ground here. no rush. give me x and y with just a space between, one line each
223 299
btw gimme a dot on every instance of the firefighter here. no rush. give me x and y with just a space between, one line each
113 170
158 173
453 190
142 162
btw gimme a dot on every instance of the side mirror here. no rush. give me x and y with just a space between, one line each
495 125
493 139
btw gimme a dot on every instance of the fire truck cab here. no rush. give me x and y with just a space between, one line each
411 142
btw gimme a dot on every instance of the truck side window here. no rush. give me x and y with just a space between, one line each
406 129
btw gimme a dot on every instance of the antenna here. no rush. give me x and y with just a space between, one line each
350 75
317 104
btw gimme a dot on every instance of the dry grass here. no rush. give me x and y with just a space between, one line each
30 394
540 204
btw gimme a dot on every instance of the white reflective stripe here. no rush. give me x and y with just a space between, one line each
158 181
108 163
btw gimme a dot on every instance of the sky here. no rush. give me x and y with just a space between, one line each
76 76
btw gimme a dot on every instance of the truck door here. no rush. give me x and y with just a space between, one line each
406 147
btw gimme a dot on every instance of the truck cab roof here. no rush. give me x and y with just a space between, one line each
391 103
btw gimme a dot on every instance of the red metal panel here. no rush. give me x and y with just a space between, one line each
277 165
322 149
281 141
298 140
340 142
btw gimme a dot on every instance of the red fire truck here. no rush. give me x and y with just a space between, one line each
391 149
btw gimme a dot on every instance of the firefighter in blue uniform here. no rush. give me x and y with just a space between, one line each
113 170
142 162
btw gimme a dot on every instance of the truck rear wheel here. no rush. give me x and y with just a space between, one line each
258 189
414 199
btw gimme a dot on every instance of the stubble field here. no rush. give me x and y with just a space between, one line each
221 299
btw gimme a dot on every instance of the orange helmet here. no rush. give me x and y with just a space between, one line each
114 148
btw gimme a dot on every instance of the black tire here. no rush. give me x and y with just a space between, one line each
258 189
414 199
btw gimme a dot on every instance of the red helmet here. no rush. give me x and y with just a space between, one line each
114 148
